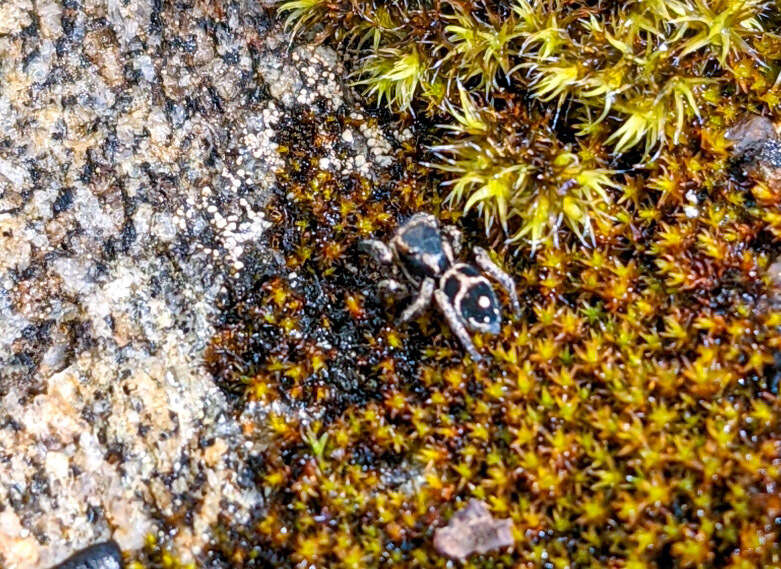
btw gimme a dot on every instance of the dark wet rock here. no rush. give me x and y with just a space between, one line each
104 555
757 148
773 374
750 134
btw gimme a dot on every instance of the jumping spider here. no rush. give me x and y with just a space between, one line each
426 256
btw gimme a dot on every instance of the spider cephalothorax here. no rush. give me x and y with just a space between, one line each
426 254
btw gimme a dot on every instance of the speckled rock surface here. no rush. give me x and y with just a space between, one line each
757 147
136 156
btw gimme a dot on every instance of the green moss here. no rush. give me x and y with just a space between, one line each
517 174
629 80
156 555
630 418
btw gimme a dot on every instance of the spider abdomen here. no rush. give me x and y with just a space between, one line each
473 297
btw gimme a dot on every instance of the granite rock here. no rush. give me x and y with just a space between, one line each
137 154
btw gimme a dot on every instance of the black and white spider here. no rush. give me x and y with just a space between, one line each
426 255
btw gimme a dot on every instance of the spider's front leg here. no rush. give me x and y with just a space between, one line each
391 288
382 254
456 324
455 238
421 302
379 251
484 261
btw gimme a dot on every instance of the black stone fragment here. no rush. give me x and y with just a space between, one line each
749 136
773 374
104 555
756 151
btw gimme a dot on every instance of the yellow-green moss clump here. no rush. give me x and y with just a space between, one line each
630 418
618 82
155 555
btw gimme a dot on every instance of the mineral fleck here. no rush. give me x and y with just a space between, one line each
473 530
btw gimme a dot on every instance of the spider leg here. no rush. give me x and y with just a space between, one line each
377 249
505 281
456 325
421 302
391 288
454 237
